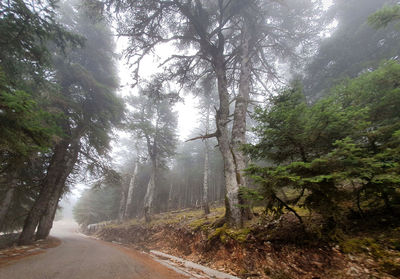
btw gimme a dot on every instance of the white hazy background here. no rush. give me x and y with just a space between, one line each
188 115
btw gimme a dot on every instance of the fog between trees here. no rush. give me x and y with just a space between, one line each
290 118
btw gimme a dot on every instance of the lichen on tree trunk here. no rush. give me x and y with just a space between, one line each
131 189
206 206
240 114
233 213
122 203
230 144
148 199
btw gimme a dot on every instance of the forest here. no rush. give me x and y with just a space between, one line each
298 120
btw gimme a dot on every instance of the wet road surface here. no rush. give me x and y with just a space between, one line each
80 257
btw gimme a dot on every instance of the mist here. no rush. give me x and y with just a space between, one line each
260 138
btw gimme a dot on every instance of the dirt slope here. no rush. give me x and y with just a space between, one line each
248 253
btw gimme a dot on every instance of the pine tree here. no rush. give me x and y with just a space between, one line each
154 120
87 99
239 42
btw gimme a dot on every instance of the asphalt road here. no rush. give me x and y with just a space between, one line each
80 257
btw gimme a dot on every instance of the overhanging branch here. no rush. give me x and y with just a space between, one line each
203 137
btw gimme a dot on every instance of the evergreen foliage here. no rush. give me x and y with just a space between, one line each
88 79
384 16
57 103
352 48
28 125
97 205
154 120
25 67
340 154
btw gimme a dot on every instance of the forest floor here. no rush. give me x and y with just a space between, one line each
263 248
14 253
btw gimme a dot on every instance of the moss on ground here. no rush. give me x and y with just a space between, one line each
380 243
194 218
362 245
383 247
225 233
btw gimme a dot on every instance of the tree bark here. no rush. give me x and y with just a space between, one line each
169 208
240 113
6 203
234 160
233 213
46 221
131 189
122 203
51 180
148 199
206 206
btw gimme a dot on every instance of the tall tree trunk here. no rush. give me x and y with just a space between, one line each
131 189
49 184
233 213
148 199
187 190
6 202
10 181
122 203
239 116
206 206
170 197
46 221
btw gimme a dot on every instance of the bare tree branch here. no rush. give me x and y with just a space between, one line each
203 137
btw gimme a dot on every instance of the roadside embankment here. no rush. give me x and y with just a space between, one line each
15 253
274 250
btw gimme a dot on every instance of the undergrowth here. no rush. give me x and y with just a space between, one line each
379 240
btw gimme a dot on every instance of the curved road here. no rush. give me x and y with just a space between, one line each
79 257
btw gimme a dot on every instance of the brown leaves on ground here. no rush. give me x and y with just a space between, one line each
257 255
